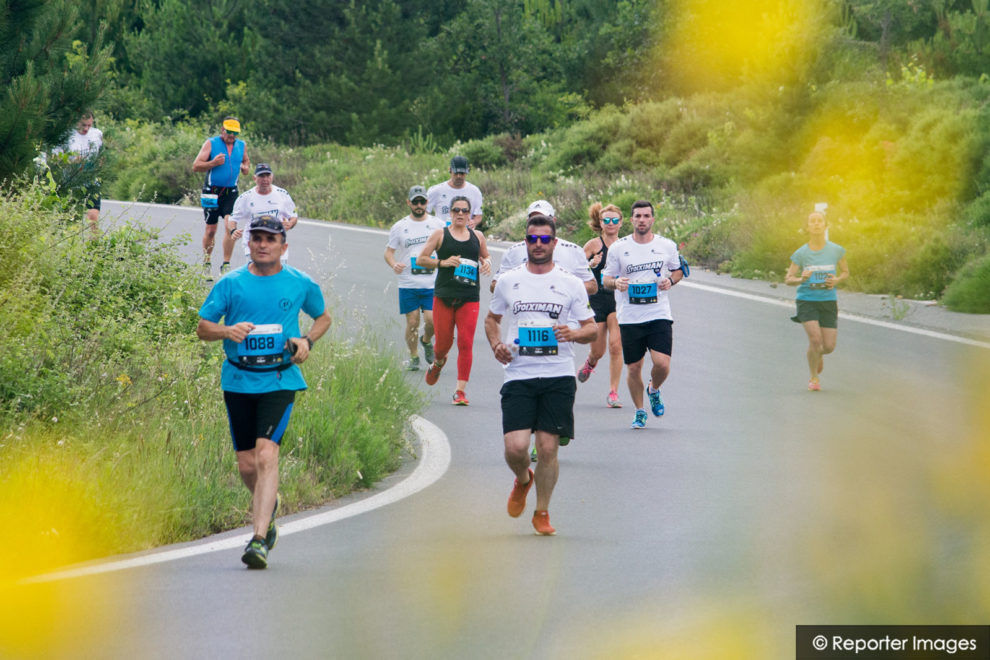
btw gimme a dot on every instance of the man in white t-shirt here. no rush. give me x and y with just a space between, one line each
547 312
641 268
264 199
569 256
439 196
405 241
83 147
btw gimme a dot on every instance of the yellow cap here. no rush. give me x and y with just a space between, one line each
232 125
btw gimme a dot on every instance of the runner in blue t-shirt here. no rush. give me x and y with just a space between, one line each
816 268
260 304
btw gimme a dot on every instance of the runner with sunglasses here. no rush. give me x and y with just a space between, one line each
546 311
606 222
461 257
223 158
415 282
641 268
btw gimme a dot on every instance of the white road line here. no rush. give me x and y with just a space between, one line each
433 463
842 315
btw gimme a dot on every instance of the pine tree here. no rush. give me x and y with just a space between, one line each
48 80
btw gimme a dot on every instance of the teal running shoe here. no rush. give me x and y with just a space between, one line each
656 401
256 553
640 420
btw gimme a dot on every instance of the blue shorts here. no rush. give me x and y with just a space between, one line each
412 299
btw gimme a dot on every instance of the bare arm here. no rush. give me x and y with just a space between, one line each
202 162
793 278
426 258
486 259
291 222
392 263
843 274
210 331
493 332
245 163
585 334
320 325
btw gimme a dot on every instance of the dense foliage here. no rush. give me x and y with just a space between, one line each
111 408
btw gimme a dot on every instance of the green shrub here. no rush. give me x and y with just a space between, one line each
970 291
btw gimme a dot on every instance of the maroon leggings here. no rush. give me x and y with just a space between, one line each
465 319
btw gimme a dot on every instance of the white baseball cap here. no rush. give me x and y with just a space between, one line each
541 206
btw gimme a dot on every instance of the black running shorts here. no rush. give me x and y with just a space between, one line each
826 312
539 404
225 204
657 335
254 416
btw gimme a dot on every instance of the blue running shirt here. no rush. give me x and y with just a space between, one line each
823 262
262 300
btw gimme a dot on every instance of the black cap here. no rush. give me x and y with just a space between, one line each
459 164
262 168
267 223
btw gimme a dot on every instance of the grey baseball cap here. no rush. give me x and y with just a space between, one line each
416 191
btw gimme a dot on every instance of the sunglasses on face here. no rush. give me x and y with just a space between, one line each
419 201
460 210
545 239
234 133
611 221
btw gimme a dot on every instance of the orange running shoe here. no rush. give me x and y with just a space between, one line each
541 523
517 498
460 399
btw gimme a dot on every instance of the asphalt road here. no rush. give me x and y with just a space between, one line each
751 507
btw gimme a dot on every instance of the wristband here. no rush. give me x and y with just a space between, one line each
308 341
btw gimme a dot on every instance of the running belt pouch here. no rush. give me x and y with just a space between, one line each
208 198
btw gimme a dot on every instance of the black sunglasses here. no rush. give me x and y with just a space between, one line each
545 239
419 200
460 210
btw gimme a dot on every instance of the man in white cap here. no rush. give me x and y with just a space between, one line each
440 195
569 256
264 199
405 240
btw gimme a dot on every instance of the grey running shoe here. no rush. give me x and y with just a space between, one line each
427 351
412 364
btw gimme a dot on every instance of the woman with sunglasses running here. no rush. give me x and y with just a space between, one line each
461 255
605 222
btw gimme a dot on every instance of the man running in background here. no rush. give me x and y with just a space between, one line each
441 196
405 239
541 301
570 256
83 148
223 158
264 199
641 268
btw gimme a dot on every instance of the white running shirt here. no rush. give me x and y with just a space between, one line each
82 145
530 305
644 264
438 199
407 237
567 255
251 204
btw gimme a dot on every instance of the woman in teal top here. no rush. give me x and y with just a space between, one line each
815 269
